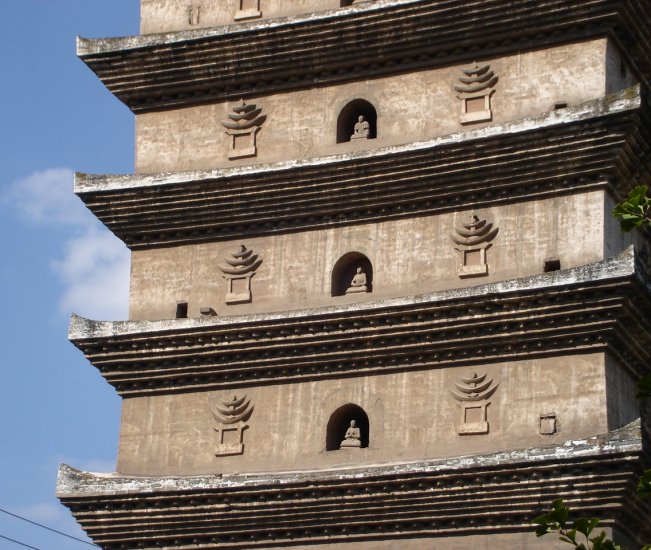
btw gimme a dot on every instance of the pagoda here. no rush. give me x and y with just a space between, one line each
378 299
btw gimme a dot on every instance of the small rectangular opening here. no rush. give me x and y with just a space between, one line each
181 310
560 104
551 264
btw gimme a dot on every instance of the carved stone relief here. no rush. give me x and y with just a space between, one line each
475 93
362 129
247 9
548 424
242 126
241 265
232 415
353 437
193 15
474 238
472 393
358 284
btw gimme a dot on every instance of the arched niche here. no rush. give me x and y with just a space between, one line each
349 115
345 269
339 423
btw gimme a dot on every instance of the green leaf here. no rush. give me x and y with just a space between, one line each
644 485
559 512
585 525
571 534
542 519
543 530
633 210
599 538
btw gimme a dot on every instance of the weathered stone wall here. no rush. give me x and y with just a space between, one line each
621 388
410 107
412 415
618 74
172 15
409 256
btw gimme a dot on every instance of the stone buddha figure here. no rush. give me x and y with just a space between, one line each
362 129
353 437
358 284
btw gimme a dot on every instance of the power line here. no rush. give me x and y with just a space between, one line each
46 527
20 543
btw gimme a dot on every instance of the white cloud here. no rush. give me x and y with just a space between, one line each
95 274
94 269
47 197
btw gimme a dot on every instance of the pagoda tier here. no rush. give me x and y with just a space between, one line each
185 68
598 307
471 495
594 145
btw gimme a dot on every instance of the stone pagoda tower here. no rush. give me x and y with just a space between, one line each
378 298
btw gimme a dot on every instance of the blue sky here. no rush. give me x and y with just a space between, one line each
55 118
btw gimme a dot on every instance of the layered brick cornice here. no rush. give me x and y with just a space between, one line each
488 493
590 146
599 307
386 37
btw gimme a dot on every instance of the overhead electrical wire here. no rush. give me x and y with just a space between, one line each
42 527
19 543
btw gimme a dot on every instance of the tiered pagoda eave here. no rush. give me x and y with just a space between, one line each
178 69
599 307
480 494
593 146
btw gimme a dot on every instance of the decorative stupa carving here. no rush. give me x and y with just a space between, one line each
241 264
232 415
473 239
475 93
242 126
473 393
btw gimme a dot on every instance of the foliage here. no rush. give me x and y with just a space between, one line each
635 209
556 521
644 486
